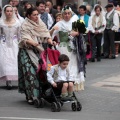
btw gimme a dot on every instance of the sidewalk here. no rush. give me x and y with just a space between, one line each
112 83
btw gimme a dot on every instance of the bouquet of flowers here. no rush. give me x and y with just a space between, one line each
79 26
102 26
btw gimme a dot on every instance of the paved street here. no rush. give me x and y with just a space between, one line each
100 99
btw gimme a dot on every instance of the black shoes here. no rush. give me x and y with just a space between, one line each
98 59
30 102
106 56
93 59
112 57
8 85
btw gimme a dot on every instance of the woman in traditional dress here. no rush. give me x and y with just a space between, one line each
20 19
33 34
65 32
9 37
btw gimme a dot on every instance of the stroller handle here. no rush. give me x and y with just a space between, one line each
55 47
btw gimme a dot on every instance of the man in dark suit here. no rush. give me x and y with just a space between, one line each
53 11
16 3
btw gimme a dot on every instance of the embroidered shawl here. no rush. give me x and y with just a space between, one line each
31 30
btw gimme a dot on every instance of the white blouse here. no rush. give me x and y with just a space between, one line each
62 75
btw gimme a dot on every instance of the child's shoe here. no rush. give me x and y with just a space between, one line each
70 94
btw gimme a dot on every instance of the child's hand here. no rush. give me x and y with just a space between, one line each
54 85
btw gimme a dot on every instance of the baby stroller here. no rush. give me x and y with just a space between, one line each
47 92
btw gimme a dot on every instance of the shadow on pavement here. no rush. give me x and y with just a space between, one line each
5 88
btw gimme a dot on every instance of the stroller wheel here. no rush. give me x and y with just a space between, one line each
37 103
42 103
26 98
74 106
61 104
54 107
79 106
58 107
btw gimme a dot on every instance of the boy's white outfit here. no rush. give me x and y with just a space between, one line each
57 74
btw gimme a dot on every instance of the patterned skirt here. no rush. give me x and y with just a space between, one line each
28 82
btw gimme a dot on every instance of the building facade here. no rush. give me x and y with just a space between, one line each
79 2
84 2
91 2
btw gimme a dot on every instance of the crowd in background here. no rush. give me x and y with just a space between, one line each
48 11
102 37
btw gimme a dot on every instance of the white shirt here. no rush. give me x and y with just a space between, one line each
82 17
50 21
90 27
115 20
118 12
74 18
62 75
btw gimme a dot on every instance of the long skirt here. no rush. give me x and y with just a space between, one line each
28 81
8 62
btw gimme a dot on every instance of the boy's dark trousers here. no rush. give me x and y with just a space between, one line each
96 45
109 37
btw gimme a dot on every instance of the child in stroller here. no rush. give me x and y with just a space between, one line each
58 89
59 76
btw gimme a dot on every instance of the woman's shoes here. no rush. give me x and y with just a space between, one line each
106 56
92 59
30 102
8 85
98 59
112 57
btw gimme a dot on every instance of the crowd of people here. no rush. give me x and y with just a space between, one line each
24 29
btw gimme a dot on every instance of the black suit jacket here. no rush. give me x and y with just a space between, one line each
53 12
